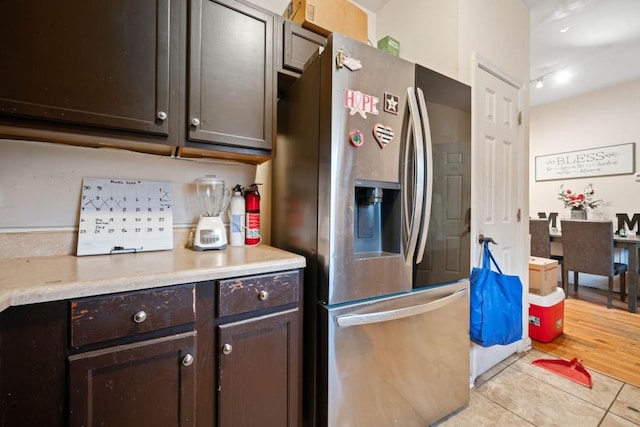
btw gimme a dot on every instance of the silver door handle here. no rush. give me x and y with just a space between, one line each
406 223
426 216
400 313
418 184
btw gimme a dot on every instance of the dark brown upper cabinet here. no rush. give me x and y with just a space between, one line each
186 78
231 69
105 64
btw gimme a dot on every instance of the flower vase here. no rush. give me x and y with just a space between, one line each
578 214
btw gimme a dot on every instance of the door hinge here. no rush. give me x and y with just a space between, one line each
519 214
519 117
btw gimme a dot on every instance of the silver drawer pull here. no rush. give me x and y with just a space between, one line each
227 349
162 115
140 316
263 295
187 360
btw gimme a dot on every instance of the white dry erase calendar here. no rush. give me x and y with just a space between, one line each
124 215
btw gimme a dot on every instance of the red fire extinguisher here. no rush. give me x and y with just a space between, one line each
252 203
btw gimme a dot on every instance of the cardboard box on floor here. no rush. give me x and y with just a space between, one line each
543 275
329 16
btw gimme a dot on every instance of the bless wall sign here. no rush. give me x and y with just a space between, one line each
601 161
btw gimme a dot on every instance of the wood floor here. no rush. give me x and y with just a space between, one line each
606 340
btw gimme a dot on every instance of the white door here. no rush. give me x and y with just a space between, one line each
500 172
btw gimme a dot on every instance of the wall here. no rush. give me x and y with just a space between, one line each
427 31
609 116
41 183
446 35
498 30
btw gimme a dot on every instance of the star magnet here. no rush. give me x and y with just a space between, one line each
391 103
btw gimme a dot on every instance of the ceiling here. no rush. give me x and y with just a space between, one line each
599 48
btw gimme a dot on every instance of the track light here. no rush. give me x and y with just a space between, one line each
559 76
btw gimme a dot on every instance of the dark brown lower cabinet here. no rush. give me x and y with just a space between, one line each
145 383
225 353
258 383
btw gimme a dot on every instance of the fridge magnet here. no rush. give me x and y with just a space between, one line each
360 103
391 102
356 138
352 64
383 134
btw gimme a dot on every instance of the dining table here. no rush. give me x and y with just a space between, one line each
630 243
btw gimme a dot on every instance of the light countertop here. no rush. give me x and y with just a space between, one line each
39 279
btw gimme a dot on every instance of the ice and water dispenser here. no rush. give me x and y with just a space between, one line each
377 217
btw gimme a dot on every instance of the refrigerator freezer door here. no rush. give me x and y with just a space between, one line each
400 360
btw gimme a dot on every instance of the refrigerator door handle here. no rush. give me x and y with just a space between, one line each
418 184
400 313
406 211
428 152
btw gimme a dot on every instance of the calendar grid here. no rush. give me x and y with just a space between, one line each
124 215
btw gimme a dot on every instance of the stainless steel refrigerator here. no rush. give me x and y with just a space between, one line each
357 189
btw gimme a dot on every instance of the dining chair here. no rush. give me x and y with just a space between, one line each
587 247
541 242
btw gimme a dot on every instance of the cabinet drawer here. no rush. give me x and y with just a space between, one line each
247 294
97 319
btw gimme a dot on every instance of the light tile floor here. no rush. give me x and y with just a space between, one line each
517 393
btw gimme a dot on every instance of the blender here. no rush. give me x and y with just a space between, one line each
213 199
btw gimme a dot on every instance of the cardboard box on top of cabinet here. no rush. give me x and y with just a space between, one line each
329 16
390 45
543 275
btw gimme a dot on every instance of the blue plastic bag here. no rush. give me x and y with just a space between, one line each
495 303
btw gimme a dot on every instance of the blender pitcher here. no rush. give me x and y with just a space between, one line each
213 199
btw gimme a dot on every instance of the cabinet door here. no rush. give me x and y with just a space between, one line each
232 92
88 61
259 371
33 352
299 44
150 383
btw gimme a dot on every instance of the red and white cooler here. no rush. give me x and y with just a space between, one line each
546 315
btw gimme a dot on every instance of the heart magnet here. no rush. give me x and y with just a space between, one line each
383 134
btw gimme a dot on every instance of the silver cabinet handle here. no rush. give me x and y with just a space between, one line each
263 295
162 115
227 348
140 316
187 360
195 121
